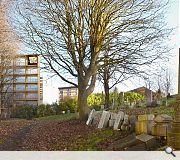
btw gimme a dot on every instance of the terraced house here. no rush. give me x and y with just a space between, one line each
22 84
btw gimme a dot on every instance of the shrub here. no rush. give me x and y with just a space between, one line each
57 109
96 107
68 104
45 110
27 112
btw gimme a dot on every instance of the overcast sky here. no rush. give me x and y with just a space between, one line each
50 92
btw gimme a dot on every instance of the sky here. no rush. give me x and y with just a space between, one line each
50 86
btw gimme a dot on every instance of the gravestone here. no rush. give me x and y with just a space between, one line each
119 120
162 125
68 111
161 129
113 116
163 118
144 137
103 123
146 117
102 107
125 125
91 117
114 105
144 124
132 121
121 95
112 119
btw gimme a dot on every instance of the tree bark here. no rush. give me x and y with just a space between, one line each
82 103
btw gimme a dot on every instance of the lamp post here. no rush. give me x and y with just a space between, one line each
173 138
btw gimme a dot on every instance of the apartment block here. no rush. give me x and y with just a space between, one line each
23 84
67 92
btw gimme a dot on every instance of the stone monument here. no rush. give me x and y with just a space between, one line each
173 138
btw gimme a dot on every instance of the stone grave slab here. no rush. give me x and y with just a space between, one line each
144 137
119 120
132 121
146 117
141 127
125 125
91 117
163 118
103 123
113 116
111 122
161 129
102 107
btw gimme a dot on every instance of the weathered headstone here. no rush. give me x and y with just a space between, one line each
102 107
132 121
119 120
144 124
125 125
162 125
146 117
68 111
112 119
121 95
114 105
161 129
144 137
91 117
113 116
103 123
163 118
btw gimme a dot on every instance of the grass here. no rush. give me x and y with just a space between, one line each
164 110
62 117
90 143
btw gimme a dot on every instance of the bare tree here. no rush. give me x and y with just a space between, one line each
8 49
72 35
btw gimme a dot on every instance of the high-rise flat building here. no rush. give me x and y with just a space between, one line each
67 92
24 86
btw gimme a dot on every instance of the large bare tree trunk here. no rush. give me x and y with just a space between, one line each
82 104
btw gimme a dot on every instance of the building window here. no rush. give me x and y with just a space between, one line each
7 71
20 71
32 95
20 79
7 88
20 87
21 62
32 79
32 60
20 95
32 103
32 71
32 87
7 79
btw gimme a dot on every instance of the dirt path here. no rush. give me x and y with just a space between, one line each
12 143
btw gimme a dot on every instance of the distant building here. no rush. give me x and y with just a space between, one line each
67 92
147 93
26 87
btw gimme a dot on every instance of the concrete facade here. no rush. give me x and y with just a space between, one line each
67 92
26 85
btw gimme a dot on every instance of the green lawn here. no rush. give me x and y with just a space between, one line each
62 117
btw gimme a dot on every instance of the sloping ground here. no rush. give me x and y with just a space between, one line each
69 135
54 134
11 127
59 133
